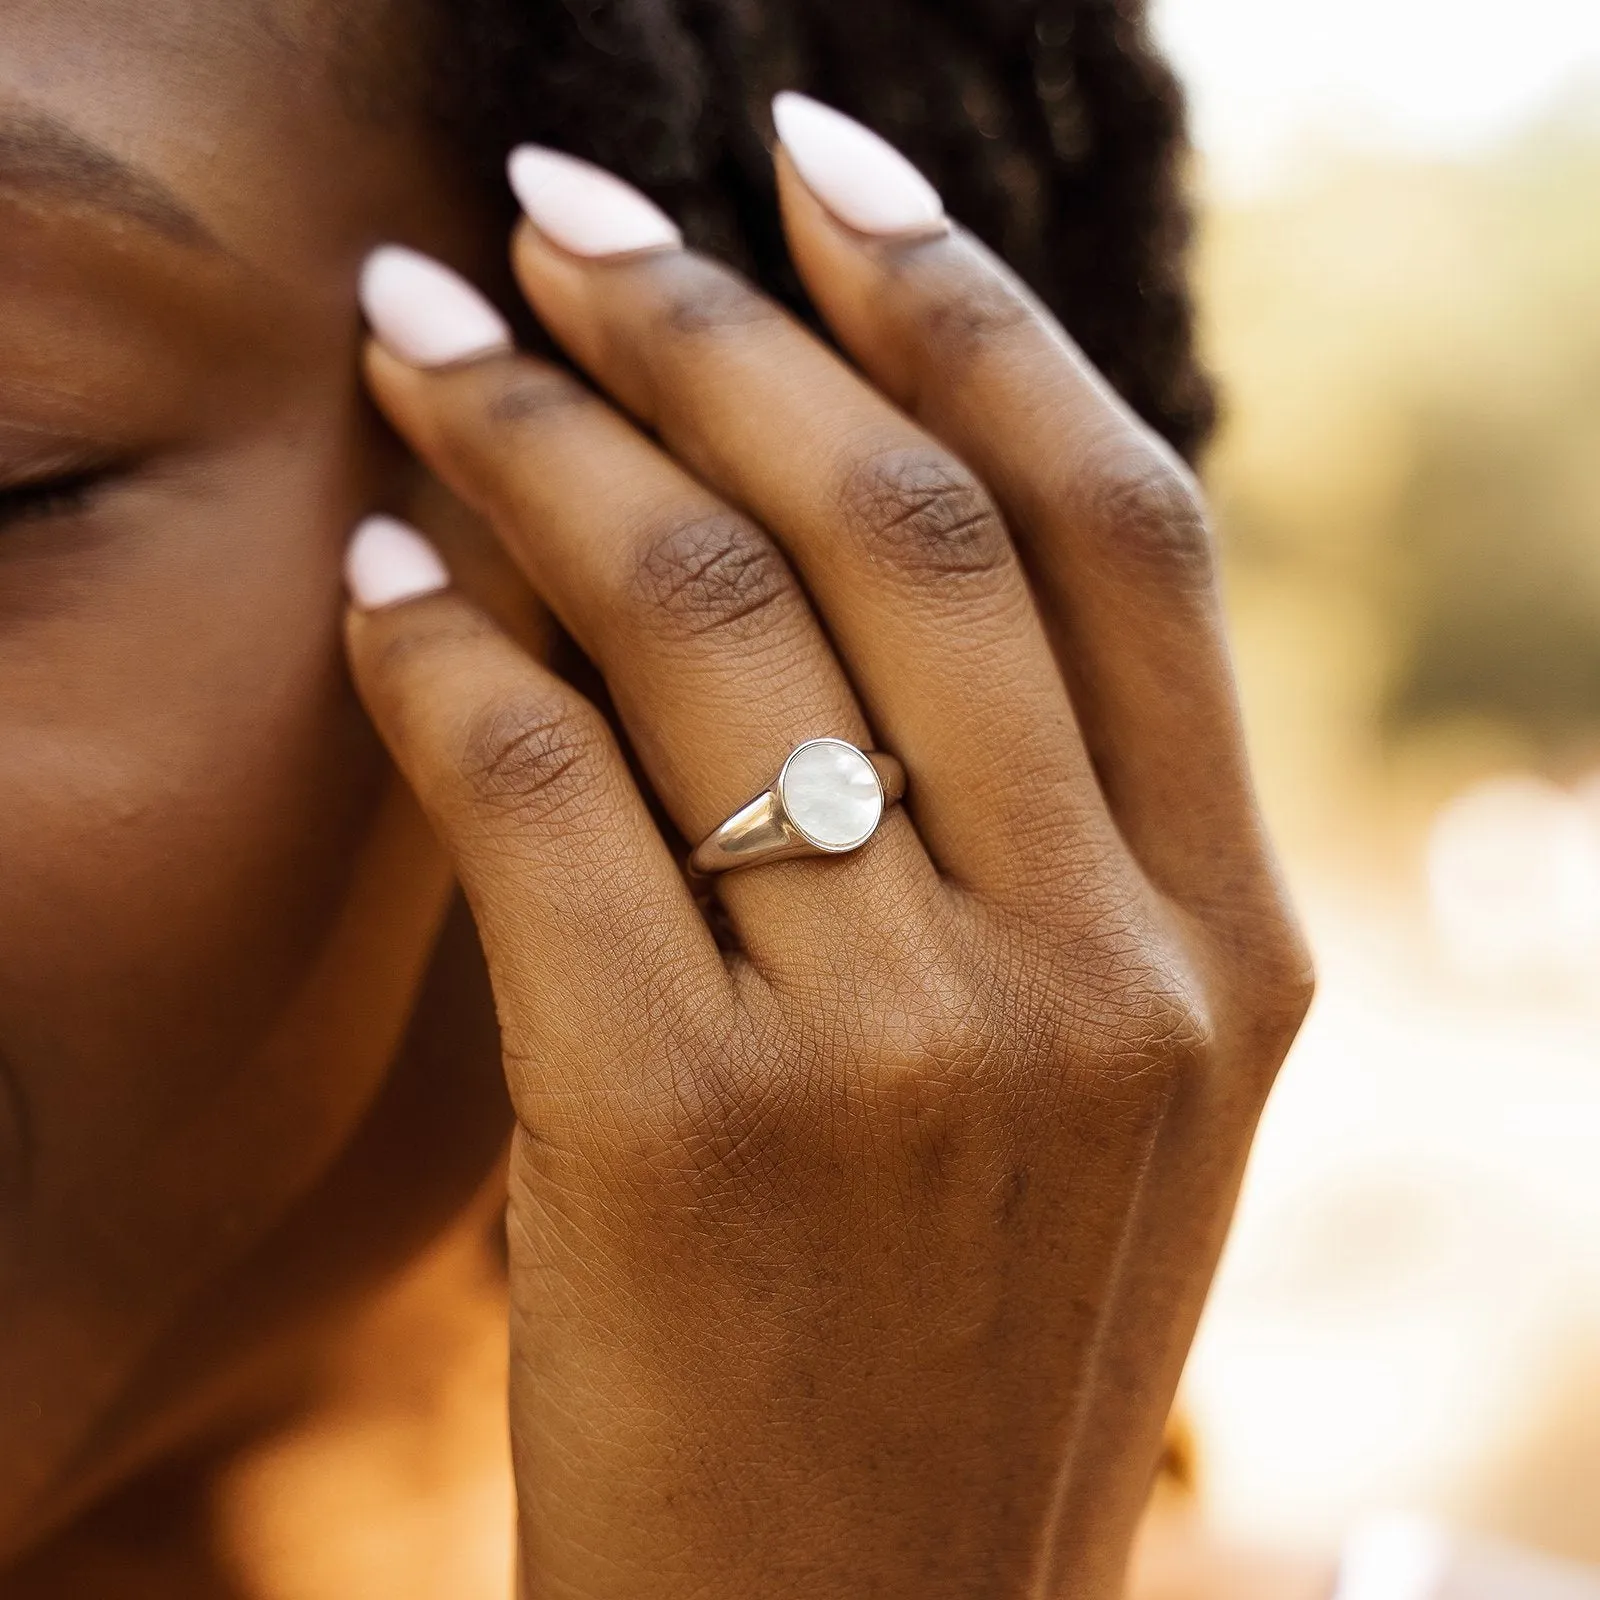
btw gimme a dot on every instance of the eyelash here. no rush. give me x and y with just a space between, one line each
49 497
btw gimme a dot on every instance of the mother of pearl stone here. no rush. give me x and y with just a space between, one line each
831 794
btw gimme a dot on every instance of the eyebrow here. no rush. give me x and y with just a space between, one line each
40 155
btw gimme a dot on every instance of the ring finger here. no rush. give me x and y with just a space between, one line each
710 650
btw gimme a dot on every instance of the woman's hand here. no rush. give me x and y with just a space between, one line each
861 1258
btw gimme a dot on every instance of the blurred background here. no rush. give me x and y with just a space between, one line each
1400 267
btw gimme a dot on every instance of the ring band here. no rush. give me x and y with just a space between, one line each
827 800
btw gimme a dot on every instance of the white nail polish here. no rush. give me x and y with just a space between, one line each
864 181
585 209
426 314
388 562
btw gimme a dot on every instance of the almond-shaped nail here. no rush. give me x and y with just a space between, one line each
388 561
426 314
862 179
585 209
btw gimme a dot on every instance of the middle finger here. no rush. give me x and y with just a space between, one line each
906 556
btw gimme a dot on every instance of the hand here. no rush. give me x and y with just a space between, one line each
860 1258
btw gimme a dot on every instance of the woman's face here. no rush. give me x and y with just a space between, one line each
216 909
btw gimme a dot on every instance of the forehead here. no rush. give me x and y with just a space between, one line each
258 121
300 37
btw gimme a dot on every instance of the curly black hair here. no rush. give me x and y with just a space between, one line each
1053 129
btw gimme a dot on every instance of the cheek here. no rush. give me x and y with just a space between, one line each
185 779
216 911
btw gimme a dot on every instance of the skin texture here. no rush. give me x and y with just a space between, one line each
900 1210
860 1257
218 909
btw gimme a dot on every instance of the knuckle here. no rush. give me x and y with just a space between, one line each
427 634
521 393
697 297
1276 977
506 408
965 314
529 758
925 1030
1149 1043
1138 1022
1145 512
924 514
934 1006
1168 1036
1287 1001
944 1023
708 574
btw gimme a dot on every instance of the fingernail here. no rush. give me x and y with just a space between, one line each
584 208
426 314
864 181
388 562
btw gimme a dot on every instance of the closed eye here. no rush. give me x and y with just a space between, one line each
49 497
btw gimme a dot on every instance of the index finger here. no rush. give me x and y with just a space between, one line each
590 932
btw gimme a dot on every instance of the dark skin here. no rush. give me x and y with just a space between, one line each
256 1076
218 908
804 1204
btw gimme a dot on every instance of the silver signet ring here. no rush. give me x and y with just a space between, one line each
827 800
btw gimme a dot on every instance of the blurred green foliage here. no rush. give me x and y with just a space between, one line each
1411 359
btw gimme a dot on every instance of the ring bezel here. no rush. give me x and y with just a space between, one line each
826 847
762 830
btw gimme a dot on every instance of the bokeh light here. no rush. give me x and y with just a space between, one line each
1400 269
